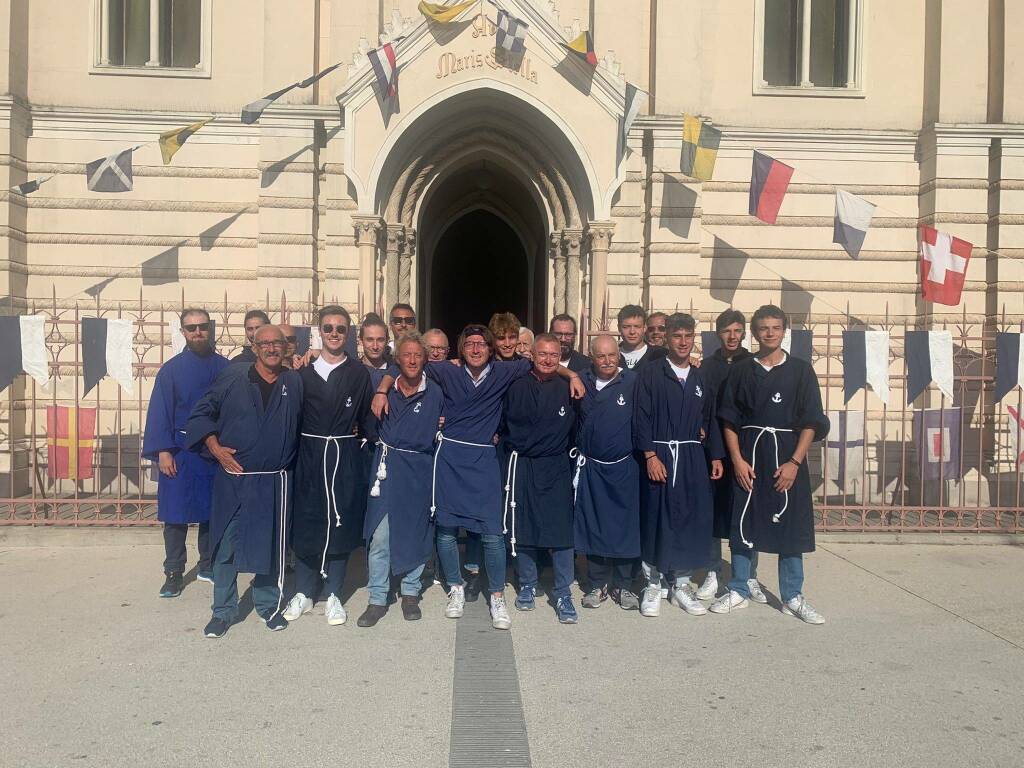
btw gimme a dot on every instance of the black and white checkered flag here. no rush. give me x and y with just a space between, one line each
511 35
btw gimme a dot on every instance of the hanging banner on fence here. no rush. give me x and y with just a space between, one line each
1009 363
1015 430
937 437
107 351
845 451
23 339
799 343
929 358
70 436
866 362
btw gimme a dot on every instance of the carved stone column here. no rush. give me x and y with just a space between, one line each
395 244
573 239
405 267
367 228
600 243
557 256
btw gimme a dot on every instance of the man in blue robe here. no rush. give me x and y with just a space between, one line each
249 423
771 409
563 328
185 484
607 479
537 425
674 425
399 526
634 349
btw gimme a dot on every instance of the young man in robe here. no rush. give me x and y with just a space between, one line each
505 327
563 328
254 320
467 489
330 474
730 328
399 526
771 411
655 336
607 479
632 322
185 484
674 425
537 426
373 338
249 423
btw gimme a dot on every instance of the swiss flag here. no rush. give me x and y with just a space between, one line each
943 266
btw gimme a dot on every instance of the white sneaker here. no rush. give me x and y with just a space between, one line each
335 611
803 610
755 592
709 588
685 599
663 593
728 602
298 605
456 602
650 605
499 613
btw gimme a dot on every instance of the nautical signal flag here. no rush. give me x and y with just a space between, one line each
845 450
798 343
929 356
583 47
1015 429
866 362
31 186
385 67
700 148
852 221
937 437
111 174
172 141
1009 363
769 180
70 436
444 14
511 33
23 341
107 350
943 266
252 111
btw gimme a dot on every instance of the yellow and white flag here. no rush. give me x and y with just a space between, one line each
444 14
171 141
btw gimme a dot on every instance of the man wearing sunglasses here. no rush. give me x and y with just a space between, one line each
185 483
401 320
655 336
330 474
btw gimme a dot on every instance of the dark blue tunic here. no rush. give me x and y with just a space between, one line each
577 362
538 423
676 516
179 384
408 431
265 440
468 483
608 485
787 397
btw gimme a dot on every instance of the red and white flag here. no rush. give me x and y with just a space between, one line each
384 66
1015 429
943 266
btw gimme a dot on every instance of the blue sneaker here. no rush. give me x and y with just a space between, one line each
566 611
526 600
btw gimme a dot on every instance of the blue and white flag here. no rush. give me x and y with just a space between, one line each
929 358
798 343
866 363
937 437
511 33
23 341
844 451
852 221
107 351
1009 363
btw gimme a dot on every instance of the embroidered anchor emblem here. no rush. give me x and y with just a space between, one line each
621 400
348 403
284 390
698 391
561 411
418 408
777 397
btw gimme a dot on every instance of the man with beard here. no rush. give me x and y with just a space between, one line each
185 484
330 475
563 328
632 321
655 335
505 327
249 423
401 320
254 320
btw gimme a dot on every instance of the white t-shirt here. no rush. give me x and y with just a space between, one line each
483 375
632 358
785 357
324 368
681 373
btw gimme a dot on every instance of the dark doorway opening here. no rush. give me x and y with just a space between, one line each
479 267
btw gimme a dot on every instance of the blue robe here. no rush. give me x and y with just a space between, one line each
786 397
408 429
608 480
676 516
538 423
577 362
265 440
180 383
468 483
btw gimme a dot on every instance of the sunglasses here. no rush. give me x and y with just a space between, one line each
403 321
655 327
328 328
193 327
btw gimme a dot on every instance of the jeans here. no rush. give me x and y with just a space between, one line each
474 550
265 594
715 562
494 558
308 576
614 572
174 547
378 566
654 576
562 560
791 574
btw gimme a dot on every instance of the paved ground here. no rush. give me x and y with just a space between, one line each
921 664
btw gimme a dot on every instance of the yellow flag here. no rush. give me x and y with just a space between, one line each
444 14
171 141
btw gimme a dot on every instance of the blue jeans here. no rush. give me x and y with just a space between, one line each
494 558
677 578
265 594
378 566
791 574
715 561
562 561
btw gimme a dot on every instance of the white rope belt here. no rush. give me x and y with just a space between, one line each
581 462
510 498
753 461
382 467
673 448
332 501
283 475
441 440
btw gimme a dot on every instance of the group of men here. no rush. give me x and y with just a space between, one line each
637 456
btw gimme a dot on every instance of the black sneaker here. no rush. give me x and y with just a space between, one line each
277 622
474 584
172 586
217 627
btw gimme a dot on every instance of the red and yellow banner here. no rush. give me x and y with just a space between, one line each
70 458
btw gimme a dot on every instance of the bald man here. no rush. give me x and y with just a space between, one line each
436 342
